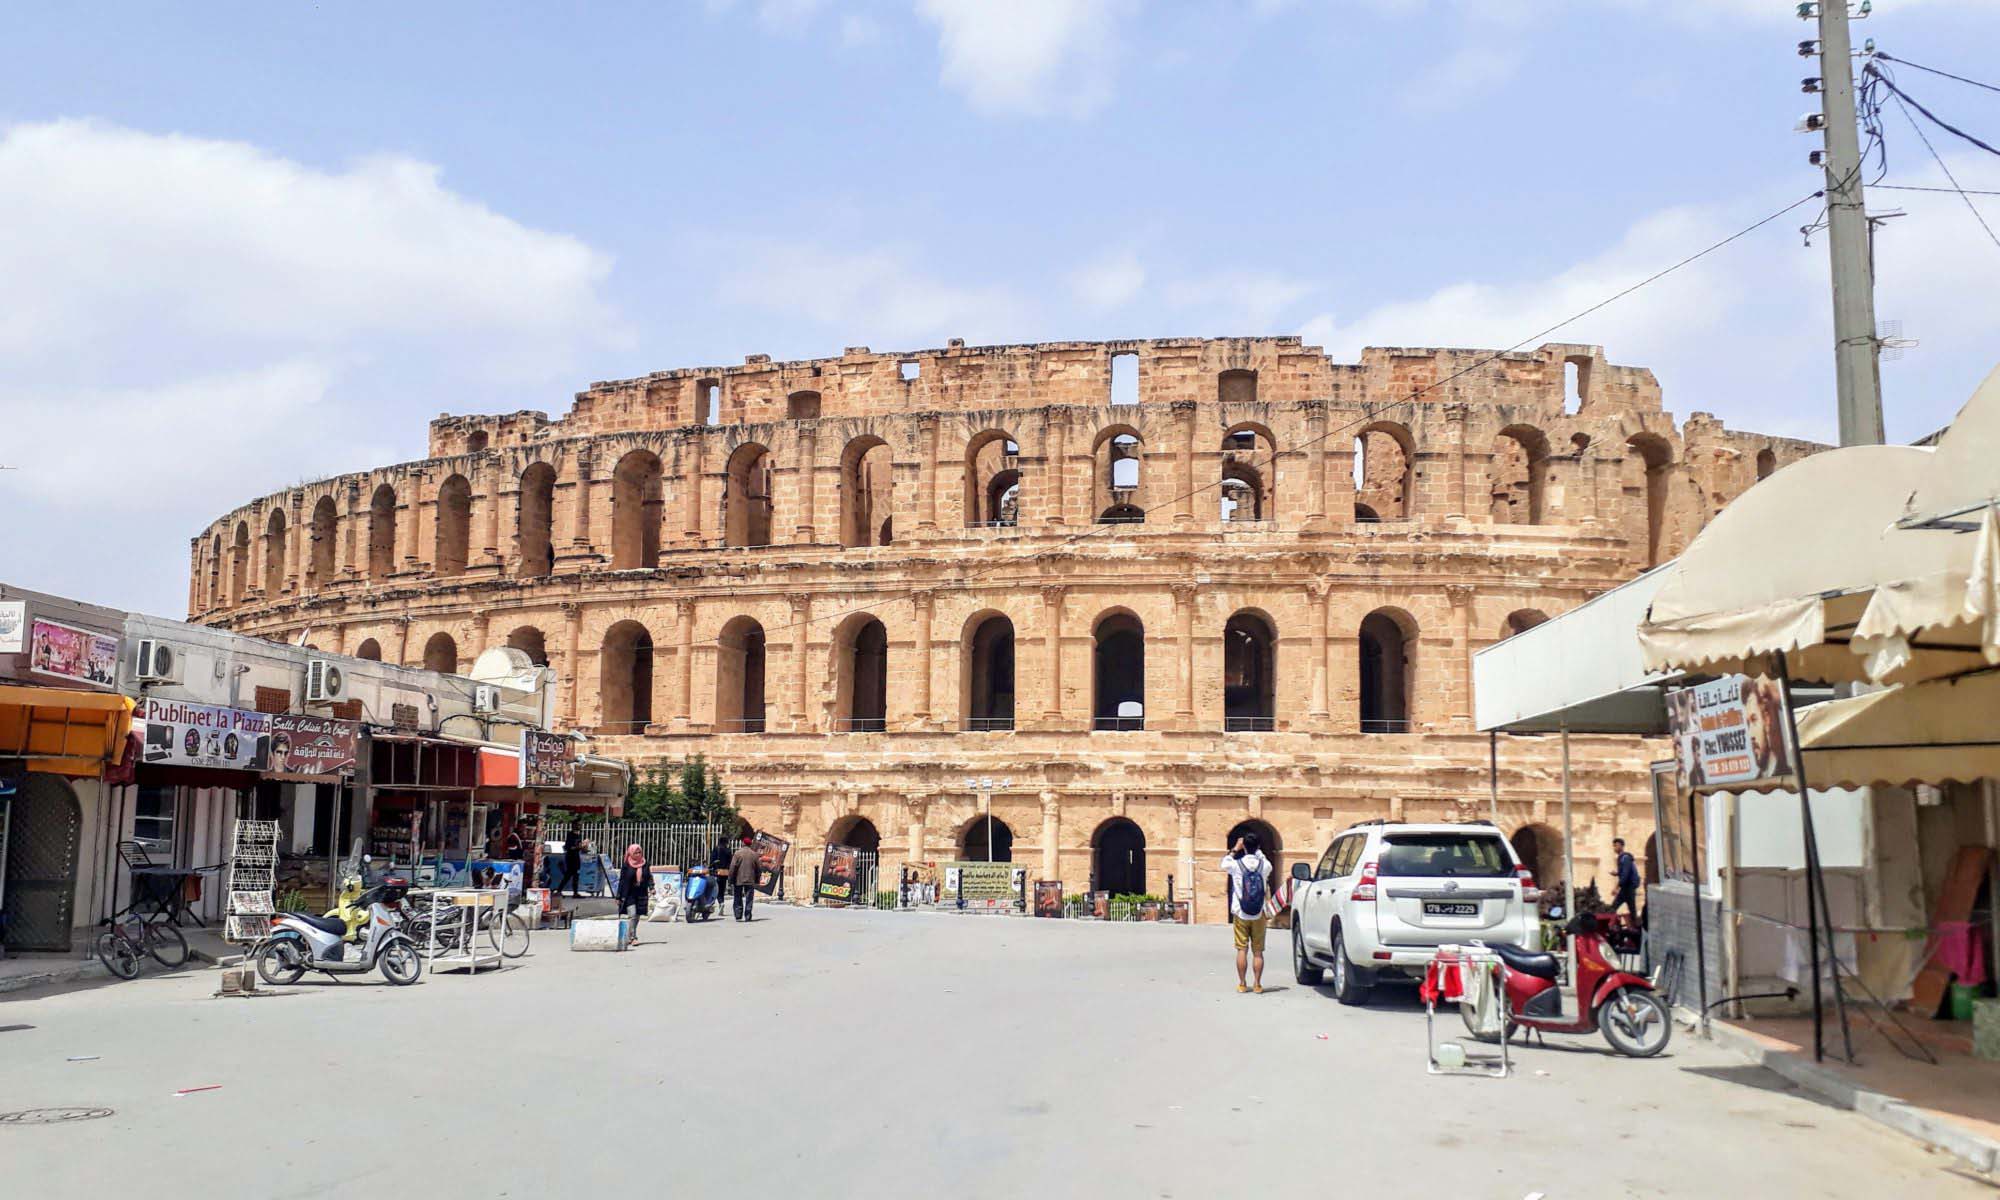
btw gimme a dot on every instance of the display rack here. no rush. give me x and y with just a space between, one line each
253 873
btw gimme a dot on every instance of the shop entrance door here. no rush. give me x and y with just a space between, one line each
43 828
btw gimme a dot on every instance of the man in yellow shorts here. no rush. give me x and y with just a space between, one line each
1249 908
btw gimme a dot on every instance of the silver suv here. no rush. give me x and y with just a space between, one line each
1386 894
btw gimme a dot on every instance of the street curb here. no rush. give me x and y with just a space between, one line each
68 972
1978 1151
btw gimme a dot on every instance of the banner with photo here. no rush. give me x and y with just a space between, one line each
839 874
67 652
548 760
1730 733
771 852
306 745
181 734
1048 898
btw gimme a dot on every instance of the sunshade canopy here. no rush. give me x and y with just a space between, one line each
1966 477
66 732
1931 732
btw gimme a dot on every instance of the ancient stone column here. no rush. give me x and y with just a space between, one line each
692 509
413 514
922 601
1460 596
684 648
1052 613
1315 466
808 472
572 662
1184 807
351 566
1051 835
1055 463
915 805
927 432
490 555
403 641
1317 592
1184 604
1184 411
297 538
801 603
1454 419
579 517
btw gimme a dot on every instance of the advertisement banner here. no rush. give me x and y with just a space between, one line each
1100 905
839 873
181 734
13 626
771 852
303 745
548 760
1730 733
67 652
1048 898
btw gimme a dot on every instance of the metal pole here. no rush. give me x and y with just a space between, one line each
1856 353
986 802
1493 774
1815 891
1700 942
1569 865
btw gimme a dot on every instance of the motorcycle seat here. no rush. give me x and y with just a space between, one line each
324 924
1538 963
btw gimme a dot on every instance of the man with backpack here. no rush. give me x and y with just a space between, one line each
1249 889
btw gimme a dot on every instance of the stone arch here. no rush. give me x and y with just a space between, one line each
325 537
987 685
1767 462
1117 468
973 844
453 548
1249 672
636 500
625 678
1388 638
857 831
1366 515
239 563
1268 840
530 640
534 522
1118 857
867 492
382 533
275 533
739 676
1517 479
1540 849
802 406
1237 386
1118 671
1521 620
370 650
1249 460
441 654
1657 457
746 497
861 675
1385 455
992 479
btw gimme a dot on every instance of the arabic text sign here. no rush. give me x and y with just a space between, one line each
306 745
13 626
204 735
548 760
1730 733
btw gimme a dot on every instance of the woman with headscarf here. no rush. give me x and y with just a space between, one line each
635 884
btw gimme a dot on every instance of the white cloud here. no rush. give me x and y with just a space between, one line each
1461 76
788 16
1237 302
1037 57
871 296
859 29
186 323
1109 282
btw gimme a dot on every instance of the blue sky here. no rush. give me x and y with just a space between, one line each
243 245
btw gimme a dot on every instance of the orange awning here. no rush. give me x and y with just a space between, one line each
62 731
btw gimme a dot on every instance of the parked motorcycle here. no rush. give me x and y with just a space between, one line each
1615 1002
299 942
700 894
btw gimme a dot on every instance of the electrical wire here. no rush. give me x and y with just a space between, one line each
1940 122
1908 187
1939 158
1934 71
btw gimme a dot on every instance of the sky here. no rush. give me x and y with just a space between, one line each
244 245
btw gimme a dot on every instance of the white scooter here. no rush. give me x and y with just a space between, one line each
299 942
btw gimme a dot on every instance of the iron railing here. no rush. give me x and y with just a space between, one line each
740 725
1118 723
860 724
988 724
1249 724
1385 725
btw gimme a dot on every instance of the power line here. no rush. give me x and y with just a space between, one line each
1908 187
1934 71
1940 122
1925 138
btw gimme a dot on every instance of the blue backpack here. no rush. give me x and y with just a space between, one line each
1251 902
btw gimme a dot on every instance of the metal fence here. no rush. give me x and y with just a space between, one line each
667 844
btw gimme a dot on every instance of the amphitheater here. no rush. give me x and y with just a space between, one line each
1153 593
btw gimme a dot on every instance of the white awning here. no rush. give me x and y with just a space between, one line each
1933 732
1967 474
1581 670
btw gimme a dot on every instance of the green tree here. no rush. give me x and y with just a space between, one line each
690 793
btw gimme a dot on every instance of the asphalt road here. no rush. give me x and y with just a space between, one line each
821 1053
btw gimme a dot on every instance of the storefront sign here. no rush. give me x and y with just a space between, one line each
1048 898
548 760
839 873
13 626
67 652
305 745
1730 733
181 734
771 853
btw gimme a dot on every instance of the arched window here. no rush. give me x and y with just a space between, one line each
239 563
534 522
441 654
625 678
992 480
274 553
1516 481
531 642
1249 673
1232 387
1656 457
1521 621
370 650
986 839
802 406
1268 842
862 681
1364 515
454 527
1122 514
867 493
1383 456
1767 462
1249 456
746 497
1118 858
856 831
989 673
325 536
739 677
635 512
382 533
1540 848
1124 463
1242 494
1119 673
1386 672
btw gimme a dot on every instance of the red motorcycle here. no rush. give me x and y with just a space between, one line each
1617 1003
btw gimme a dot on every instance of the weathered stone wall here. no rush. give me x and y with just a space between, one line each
612 528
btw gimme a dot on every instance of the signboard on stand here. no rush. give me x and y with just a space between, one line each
181 734
66 652
1048 898
1730 733
771 851
307 745
839 873
548 760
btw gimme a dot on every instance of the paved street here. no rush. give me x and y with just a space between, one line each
863 1054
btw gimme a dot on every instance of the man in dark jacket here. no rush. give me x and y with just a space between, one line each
572 862
743 875
1628 880
718 869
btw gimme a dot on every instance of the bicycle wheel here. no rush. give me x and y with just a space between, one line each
121 957
166 944
514 942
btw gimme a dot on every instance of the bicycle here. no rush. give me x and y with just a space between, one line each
512 940
124 944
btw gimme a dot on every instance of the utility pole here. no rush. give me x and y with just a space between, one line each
1857 366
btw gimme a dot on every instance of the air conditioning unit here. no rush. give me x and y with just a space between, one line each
326 682
485 699
156 662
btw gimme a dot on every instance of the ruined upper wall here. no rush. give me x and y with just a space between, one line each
862 382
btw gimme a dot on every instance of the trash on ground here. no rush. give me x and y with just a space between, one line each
82 1058
206 1087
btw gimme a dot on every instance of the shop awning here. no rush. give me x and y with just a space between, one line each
1933 732
1967 474
62 731
1579 671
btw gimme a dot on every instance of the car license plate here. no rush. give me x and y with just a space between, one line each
1442 908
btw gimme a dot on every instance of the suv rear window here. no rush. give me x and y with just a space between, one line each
1439 854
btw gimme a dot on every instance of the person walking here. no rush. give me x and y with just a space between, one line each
1628 880
635 887
718 870
572 861
1249 890
743 877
